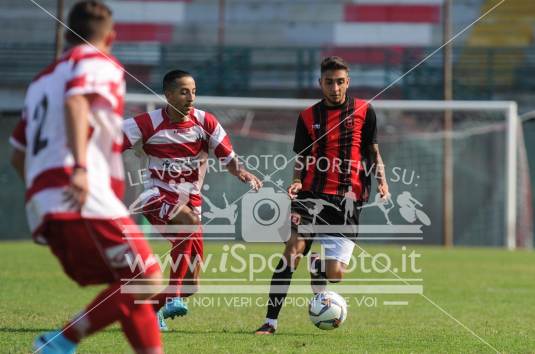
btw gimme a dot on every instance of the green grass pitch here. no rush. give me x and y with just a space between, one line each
491 291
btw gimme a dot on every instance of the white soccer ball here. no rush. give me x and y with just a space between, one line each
327 310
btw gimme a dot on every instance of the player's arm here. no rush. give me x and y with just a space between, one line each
18 141
236 169
379 170
297 184
302 147
17 161
374 156
220 143
133 132
77 128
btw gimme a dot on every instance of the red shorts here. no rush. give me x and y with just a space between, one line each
159 206
97 251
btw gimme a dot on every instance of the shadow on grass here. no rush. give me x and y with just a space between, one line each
25 330
241 332
171 331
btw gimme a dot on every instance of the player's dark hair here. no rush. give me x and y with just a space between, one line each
88 19
333 63
169 80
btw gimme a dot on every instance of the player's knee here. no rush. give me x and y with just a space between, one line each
292 258
293 253
193 219
335 279
186 219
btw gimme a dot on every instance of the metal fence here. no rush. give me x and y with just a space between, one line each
479 73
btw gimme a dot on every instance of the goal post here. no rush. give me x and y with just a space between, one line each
483 130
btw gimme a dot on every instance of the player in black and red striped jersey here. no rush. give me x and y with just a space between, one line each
337 152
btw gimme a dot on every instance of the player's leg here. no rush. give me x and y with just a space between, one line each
337 251
281 279
186 253
191 280
157 209
184 276
98 254
186 216
179 254
334 270
138 321
108 307
318 279
169 303
139 325
181 245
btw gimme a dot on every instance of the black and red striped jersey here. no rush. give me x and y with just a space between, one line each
334 141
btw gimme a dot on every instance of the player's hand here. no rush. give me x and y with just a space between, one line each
294 188
76 193
295 218
382 188
248 177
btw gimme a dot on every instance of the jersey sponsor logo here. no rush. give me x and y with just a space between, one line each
316 126
191 132
180 164
182 130
349 122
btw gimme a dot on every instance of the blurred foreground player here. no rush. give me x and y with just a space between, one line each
67 148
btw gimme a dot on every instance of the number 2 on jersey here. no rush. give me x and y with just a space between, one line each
39 115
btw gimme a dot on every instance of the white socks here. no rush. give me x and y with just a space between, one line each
272 322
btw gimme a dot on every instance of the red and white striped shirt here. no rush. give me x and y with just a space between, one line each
41 134
177 152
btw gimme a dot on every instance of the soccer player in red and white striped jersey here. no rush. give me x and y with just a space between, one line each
67 147
176 140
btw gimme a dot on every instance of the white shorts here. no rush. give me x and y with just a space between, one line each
336 248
